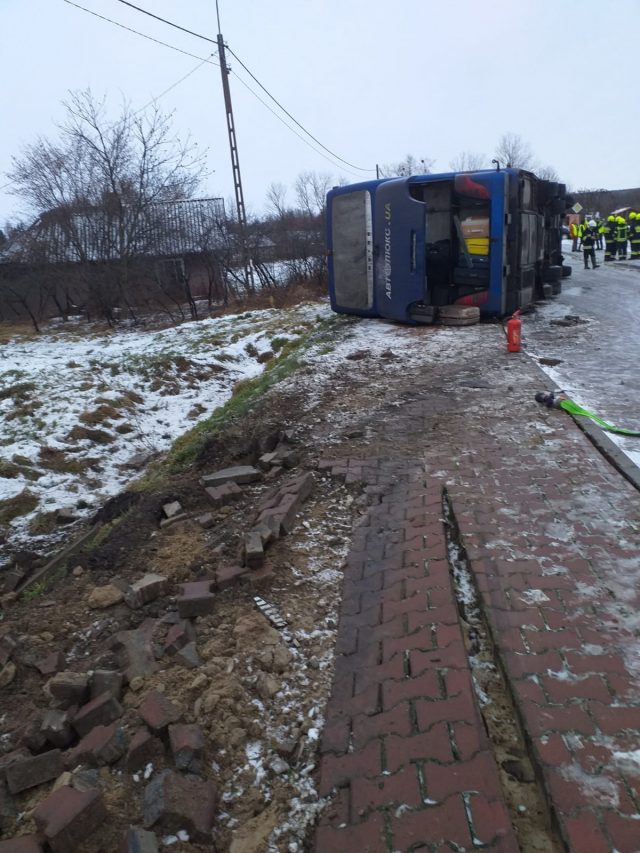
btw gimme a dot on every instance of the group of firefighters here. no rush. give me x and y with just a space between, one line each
616 232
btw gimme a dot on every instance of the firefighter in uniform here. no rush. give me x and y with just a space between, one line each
580 229
599 223
589 237
609 234
622 235
634 235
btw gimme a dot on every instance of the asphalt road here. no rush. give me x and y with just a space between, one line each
599 359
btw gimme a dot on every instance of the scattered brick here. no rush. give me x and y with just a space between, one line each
147 589
168 522
103 745
139 841
188 656
142 749
105 681
239 474
223 495
253 550
134 648
34 770
196 599
207 520
187 744
228 575
100 711
158 711
51 664
57 729
175 802
178 636
69 688
68 816
8 759
171 509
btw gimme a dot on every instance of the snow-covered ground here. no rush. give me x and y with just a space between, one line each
80 411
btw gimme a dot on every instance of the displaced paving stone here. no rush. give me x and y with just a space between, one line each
105 681
142 749
207 520
187 744
51 664
158 711
253 550
67 817
9 758
69 688
188 656
100 711
134 648
24 844
102 597
238 474
28 772
289 458
168 522
223 495
147 589
178 636
171 509
32 736
56 728
196 599
103 745
84 779
174 802
139 841
228 575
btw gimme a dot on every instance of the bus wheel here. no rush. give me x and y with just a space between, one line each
553 273
566 270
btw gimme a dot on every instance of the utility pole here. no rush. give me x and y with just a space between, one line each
235 162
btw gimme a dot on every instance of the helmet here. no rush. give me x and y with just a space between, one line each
633 215
611 218
620 219
591 223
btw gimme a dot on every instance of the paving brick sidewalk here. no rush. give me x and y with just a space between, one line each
552 535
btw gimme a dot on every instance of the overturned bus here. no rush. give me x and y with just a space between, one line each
402 248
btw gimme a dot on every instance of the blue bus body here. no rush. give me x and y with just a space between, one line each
401 248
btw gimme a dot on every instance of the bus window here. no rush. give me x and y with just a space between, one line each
352 258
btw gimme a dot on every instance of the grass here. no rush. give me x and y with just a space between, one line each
19 392
57 460
20 505
190 445
43 523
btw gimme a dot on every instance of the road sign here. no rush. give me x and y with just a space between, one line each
577 207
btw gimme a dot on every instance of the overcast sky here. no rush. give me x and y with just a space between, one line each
372 81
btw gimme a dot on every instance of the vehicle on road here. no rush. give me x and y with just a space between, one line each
401 248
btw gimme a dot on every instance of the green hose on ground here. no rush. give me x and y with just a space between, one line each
556 402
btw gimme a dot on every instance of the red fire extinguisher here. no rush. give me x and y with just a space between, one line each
514 336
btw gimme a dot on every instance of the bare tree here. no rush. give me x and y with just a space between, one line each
98 190
547 173
409 166
277 200
513 151
311 192
468 161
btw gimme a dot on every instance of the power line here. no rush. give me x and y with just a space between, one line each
170 23
205 38
129 29
359 168
280 119
207 60
199 35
